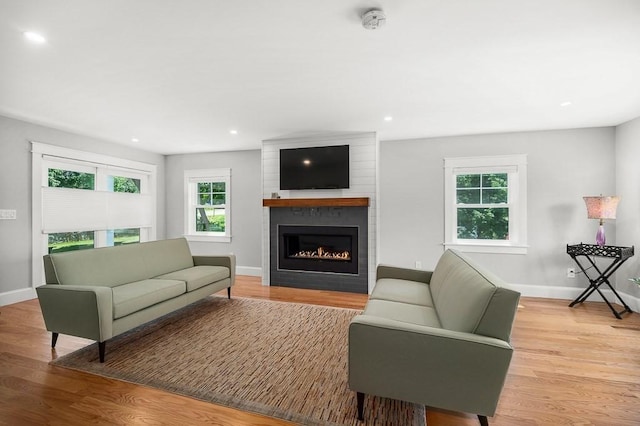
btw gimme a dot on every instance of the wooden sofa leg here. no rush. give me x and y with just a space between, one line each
101 350
360 398
483 420
229 292
54 339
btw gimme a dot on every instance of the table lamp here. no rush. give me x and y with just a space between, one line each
601 208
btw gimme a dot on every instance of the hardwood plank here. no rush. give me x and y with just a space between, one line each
571 366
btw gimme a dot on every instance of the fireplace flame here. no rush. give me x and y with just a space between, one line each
323 253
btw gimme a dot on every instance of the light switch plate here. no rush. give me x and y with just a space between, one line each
7 214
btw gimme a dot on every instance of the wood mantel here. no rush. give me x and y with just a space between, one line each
316 202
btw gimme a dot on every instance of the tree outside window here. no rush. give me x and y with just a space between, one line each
210 211
481 203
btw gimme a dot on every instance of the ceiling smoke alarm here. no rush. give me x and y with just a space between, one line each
374 19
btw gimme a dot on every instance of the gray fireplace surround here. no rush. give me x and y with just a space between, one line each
355 281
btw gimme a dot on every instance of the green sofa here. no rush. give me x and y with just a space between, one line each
100 293
440 339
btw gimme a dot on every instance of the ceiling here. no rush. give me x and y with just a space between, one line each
180 75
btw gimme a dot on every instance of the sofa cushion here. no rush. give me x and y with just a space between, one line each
405 312
471 299
135 296
198 276
114 266
164 256
404 291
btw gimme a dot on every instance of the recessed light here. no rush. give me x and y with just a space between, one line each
566 103
233 132
388 118
34 37
135 140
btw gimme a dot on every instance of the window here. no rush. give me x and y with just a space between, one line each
83 200
485 204
208 205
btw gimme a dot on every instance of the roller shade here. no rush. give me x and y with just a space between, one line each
69 210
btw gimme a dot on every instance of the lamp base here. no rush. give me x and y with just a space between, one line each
600 237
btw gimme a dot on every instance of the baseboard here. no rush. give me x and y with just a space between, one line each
15 296
249 270
570 293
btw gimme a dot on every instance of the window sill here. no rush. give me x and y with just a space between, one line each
208 238
487 248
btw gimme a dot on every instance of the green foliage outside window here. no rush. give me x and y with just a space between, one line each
480 200
210 213
70 241
125 184
68 179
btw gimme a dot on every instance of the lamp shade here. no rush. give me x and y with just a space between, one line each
601 207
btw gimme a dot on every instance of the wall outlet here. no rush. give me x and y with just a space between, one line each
571 272
418 264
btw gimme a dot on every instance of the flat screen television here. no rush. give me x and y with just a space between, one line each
323 167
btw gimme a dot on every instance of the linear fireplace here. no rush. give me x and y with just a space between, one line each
318 248
323 248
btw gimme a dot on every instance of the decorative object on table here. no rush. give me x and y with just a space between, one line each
617 255
601 207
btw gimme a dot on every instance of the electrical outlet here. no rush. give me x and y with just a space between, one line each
571 272
418 264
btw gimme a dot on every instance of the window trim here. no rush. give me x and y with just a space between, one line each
191 177
516 167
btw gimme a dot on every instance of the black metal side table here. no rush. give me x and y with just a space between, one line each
618 255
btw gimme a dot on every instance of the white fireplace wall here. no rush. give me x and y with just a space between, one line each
363 158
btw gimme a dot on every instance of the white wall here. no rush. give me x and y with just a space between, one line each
363 153
628 214
246 204
563 166
15 194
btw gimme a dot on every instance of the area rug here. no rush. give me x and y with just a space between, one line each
284 360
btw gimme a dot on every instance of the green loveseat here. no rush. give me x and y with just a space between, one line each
440 339
100 293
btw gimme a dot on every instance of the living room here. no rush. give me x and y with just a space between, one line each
584 54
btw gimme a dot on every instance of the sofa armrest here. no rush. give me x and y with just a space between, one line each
426 365
82 311
387 271
228 261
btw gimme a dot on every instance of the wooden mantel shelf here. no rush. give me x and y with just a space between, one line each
316 202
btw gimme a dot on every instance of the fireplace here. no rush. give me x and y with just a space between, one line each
321 248
318 248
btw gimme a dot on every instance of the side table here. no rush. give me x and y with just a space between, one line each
617 255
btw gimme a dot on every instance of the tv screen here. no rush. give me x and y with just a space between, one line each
325 167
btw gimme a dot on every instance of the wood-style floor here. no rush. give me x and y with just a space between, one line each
572 366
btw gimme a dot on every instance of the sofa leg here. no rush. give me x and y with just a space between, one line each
483 420
101 350
54 339
229 292
360 399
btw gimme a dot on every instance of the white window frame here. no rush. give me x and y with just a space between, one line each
516 168
191 179
45 156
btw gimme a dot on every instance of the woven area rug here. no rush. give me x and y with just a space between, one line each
284 360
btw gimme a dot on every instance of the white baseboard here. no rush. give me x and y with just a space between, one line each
15 296
570 293
249 270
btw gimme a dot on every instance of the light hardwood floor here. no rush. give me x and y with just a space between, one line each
572 366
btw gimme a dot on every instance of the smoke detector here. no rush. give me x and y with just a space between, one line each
374 19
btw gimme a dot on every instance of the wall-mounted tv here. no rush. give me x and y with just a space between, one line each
323 167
